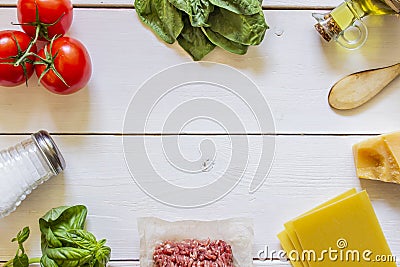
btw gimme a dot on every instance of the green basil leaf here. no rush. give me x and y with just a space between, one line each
47 262
225 43
54 213
70 218
68 256
102 255
198 10
79 234
65 243
86 240
162 17
80 238
48 238
57 221
247 30
244 7
21 261
23 235
194 41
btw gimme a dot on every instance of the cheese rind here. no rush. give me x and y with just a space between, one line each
378 158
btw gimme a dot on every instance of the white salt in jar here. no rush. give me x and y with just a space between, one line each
25 166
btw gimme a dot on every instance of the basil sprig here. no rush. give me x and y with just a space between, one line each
64 241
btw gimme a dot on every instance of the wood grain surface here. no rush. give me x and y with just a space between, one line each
293 69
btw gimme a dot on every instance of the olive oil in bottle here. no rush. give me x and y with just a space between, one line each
348 15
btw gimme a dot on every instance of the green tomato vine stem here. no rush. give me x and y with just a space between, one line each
40 28
49 58
31 44
31 261
49 62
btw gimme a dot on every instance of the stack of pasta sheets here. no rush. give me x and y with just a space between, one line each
343 231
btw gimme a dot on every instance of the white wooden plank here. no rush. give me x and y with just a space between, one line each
293 68
129 3
136 263
307 171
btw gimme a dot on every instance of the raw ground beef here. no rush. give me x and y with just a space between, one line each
193 253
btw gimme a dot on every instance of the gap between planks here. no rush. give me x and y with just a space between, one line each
120 263
201 134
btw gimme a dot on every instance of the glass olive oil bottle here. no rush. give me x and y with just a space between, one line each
347 16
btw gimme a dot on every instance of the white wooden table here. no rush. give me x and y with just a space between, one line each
293 68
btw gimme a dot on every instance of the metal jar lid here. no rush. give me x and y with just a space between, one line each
50 151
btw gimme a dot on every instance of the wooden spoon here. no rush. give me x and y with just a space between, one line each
356 89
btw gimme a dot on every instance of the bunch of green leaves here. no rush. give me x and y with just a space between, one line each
64 241
200 25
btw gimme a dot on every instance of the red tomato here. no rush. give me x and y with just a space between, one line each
71 60
10 53
49 12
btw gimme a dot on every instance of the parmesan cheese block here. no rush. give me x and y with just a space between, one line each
378 158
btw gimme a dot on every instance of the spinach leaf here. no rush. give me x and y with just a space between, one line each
198 10
247 30
194 41
244 7
225 43
162 17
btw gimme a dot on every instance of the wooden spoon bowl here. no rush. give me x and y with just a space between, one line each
358 88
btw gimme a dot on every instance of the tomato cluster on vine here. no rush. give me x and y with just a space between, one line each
62 65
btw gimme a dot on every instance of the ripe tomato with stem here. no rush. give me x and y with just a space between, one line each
44 19
13 46
63 66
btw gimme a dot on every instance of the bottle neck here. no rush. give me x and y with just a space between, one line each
330 25
49 151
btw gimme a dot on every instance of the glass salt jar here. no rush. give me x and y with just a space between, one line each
25 166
